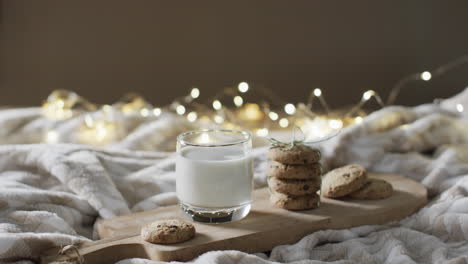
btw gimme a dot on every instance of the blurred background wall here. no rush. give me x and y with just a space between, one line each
103 49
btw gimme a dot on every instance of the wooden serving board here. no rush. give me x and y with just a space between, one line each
264 228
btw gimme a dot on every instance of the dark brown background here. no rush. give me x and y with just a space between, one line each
103 49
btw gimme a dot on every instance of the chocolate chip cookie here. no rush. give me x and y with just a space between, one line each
286 171
343 181
374 189
294 202
294 187
168 231
298 154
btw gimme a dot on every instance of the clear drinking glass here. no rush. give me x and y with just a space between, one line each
214 174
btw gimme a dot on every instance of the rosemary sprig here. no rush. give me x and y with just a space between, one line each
284 145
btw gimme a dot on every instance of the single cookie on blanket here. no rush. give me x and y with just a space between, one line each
374 189
298 172
289 202
343 181
168 231
297 154
294 187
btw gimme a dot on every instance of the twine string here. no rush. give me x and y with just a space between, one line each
284 145
69 248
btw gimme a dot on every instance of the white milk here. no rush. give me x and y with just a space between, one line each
214 176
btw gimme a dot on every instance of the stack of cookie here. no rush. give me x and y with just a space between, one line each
352 181
294 177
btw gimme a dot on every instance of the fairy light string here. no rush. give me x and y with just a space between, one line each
425 76
236 106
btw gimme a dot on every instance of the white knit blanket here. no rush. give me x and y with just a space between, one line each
51 195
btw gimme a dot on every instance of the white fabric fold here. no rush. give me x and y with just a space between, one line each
51 195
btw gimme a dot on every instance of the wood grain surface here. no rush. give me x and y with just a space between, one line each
264 228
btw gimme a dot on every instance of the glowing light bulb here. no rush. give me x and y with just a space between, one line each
61 103
243 87
284 122
101 131
144 112
192 116
218 119
262 132
358 120
273 116
460 108
89 122
195 93
290 109
98 132
106 108
317 92
204 138
426 76
180 109
52 137
238 101
217 105
367 95
132 103
157 111
251 112
335 123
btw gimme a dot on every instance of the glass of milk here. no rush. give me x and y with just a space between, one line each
214 174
